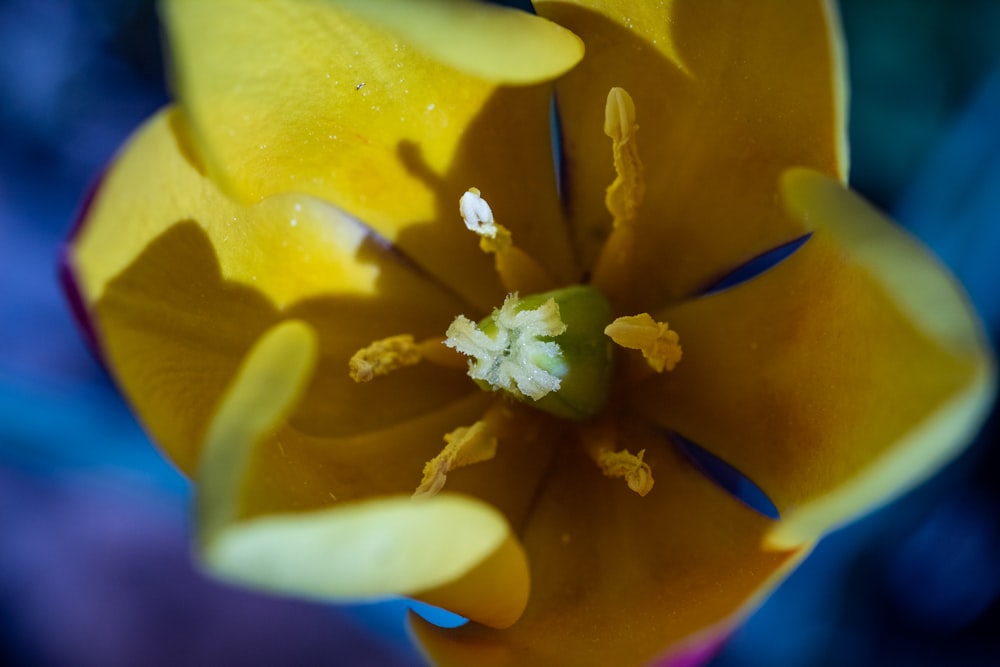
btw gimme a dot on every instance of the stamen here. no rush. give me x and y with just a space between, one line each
383 356
660 345
518 271
625 194
395 352
623 197
464 446
509 358
477 213
600 442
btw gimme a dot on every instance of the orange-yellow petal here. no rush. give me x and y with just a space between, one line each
838 379
180 281
310 485
647 573
291 471
375 109
727 95
451 549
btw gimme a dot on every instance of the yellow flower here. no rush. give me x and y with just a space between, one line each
272 266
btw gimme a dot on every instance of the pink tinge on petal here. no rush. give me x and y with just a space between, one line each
694 654
71 290
67 275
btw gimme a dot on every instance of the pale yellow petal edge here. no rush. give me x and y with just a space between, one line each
380 547
935 303
841 87
475 37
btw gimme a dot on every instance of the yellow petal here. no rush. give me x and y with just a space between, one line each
371 107
384 546
294 477
727 95
488 41
840 378
290 247
268 385
180 281
937 306
379 547
644 573
493 593
293 471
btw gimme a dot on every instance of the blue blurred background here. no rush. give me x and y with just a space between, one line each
93 536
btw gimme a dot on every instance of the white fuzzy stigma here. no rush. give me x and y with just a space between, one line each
507 360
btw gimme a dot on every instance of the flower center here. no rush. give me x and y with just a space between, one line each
546 350
509 351
554 349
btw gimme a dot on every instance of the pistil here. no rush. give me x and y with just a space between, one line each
510 354
547 350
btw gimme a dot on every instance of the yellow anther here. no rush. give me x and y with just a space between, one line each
658 342
518 271
625 464
464 446
599 441
623 197
389 354
619 115
626 192
384 356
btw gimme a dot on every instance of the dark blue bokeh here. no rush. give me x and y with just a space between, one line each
94 566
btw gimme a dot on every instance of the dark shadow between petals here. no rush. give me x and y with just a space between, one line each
726 477
756 266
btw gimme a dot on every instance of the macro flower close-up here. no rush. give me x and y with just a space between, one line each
566 323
